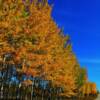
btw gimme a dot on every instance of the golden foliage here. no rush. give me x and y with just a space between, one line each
88 88
28 30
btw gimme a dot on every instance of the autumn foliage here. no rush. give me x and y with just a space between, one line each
29 34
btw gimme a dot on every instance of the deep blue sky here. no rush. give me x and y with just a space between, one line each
81 20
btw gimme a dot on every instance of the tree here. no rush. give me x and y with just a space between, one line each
37 47
82 79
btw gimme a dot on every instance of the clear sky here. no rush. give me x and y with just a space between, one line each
81 20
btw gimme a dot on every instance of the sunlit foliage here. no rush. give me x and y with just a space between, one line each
31 39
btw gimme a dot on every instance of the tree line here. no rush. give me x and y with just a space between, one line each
34 49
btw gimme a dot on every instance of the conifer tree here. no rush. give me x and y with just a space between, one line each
32 39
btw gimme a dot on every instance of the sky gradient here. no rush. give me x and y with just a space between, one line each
81 20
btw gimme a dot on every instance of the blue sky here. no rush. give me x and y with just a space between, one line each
81 20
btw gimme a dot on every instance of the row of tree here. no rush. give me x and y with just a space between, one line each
33 45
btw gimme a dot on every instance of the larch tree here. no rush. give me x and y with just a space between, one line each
29 34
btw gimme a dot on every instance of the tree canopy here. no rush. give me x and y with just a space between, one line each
31 40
